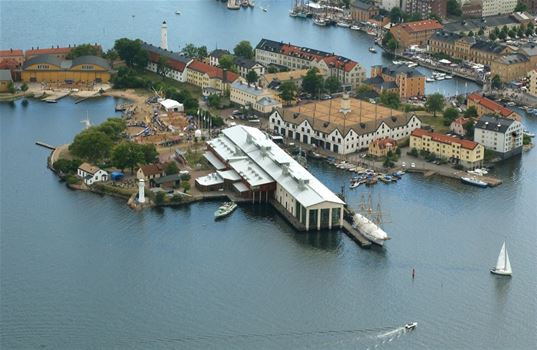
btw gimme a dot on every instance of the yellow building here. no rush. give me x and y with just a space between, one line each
212 80
50 69
467 153
5 80
404 81
532 86
381 147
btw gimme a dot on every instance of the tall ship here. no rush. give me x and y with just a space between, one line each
368 221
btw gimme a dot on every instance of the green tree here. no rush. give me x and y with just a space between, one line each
470 34
66 166
160 197
470 112
132 52
244 49
390 99
450 114
434 103
481 32
521 7
111 55
511 33
11 87
492 36
202 52
454 8
185 185
396 15
496 31
252 77
496 82
502 35
127 155
505 29
150 153
113 128
162 66
332 84
190 50
387 38
24 87
92 145
529 31
288 92
392 44
84 50
272 70
226 61
313 82
171 168
214 101
469 128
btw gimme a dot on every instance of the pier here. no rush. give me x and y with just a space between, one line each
490 180
355 235
45 145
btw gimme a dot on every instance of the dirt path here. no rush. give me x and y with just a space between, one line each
143 110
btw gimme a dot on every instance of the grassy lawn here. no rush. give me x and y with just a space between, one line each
437 123
194 90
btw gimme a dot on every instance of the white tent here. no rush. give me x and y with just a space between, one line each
172 106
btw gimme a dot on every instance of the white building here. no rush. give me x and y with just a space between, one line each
261 100
342 130
175 67
498 7
502 135
172 105
164 36
253 166
244 66
91 174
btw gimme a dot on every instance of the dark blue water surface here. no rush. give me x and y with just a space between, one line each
27 24
83 271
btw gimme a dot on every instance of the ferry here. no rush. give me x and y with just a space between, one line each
474 182
372 50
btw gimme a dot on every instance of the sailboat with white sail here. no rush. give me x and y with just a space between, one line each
368 222
503 265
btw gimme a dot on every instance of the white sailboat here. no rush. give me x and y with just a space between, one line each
503 265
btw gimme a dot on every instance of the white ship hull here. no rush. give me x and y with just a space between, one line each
370 230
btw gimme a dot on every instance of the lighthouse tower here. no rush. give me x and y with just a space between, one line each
164 36
141 189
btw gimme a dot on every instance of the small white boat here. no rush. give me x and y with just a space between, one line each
319 22
448 77
225 209
343 24
371 32
440 77
412 65
503 265
429 80
293 13
372 49
177 12
355 28
474 181
411 326
264 9
355 184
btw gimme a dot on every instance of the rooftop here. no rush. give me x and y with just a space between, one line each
362 5
67 64
420 26
89 168
213 72
489 122
467 144
249 89
219 53
176 61
11 53
245 62
5 75
491 105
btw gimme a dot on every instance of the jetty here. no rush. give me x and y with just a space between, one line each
490 180
355 235
45 145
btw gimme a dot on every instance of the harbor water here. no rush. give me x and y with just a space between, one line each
83 271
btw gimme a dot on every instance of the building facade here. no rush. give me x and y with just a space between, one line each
532 82
348 72
503 136
175 64
498 7
381 147
415 33
244 66
16 56
91 174
467 153
362 11
210 79
425 8
5 80
485 106
49 69
409 82
249 95
342 126
250 164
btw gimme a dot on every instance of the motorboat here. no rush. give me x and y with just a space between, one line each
225 209
411 326
412 65
343 24
372 49
355 28
474 181
355 184
440 77
319 22
448 76
233 5
264 9
177 12
293 13
252 3
429 80
503 265
244 3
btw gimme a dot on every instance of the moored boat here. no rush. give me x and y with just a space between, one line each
473 181
233 5
372 49
343 24
320 22
355 28
225 209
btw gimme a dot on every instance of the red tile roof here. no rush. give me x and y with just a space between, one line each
490 104
445 138
9 63
213 72
461 121
49 51
152 169
11 53
383 143
420 26
314 55
173 64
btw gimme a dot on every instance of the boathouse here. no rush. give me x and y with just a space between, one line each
249 163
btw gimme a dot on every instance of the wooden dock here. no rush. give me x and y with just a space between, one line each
46 145
355 235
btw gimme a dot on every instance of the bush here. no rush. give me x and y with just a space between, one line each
160 197
458 167
185 185
185 177
177 198
414 152
73 180
67 167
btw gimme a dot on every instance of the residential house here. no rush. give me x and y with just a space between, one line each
498 7
425 8
249 95
174 63
487 24
347 71
362 11
415 33
467 153
16 56
485 106
458 126
5 80
90 174
150 172
244 66
406 82
274 80
381 147
212 80
503 136
214 56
